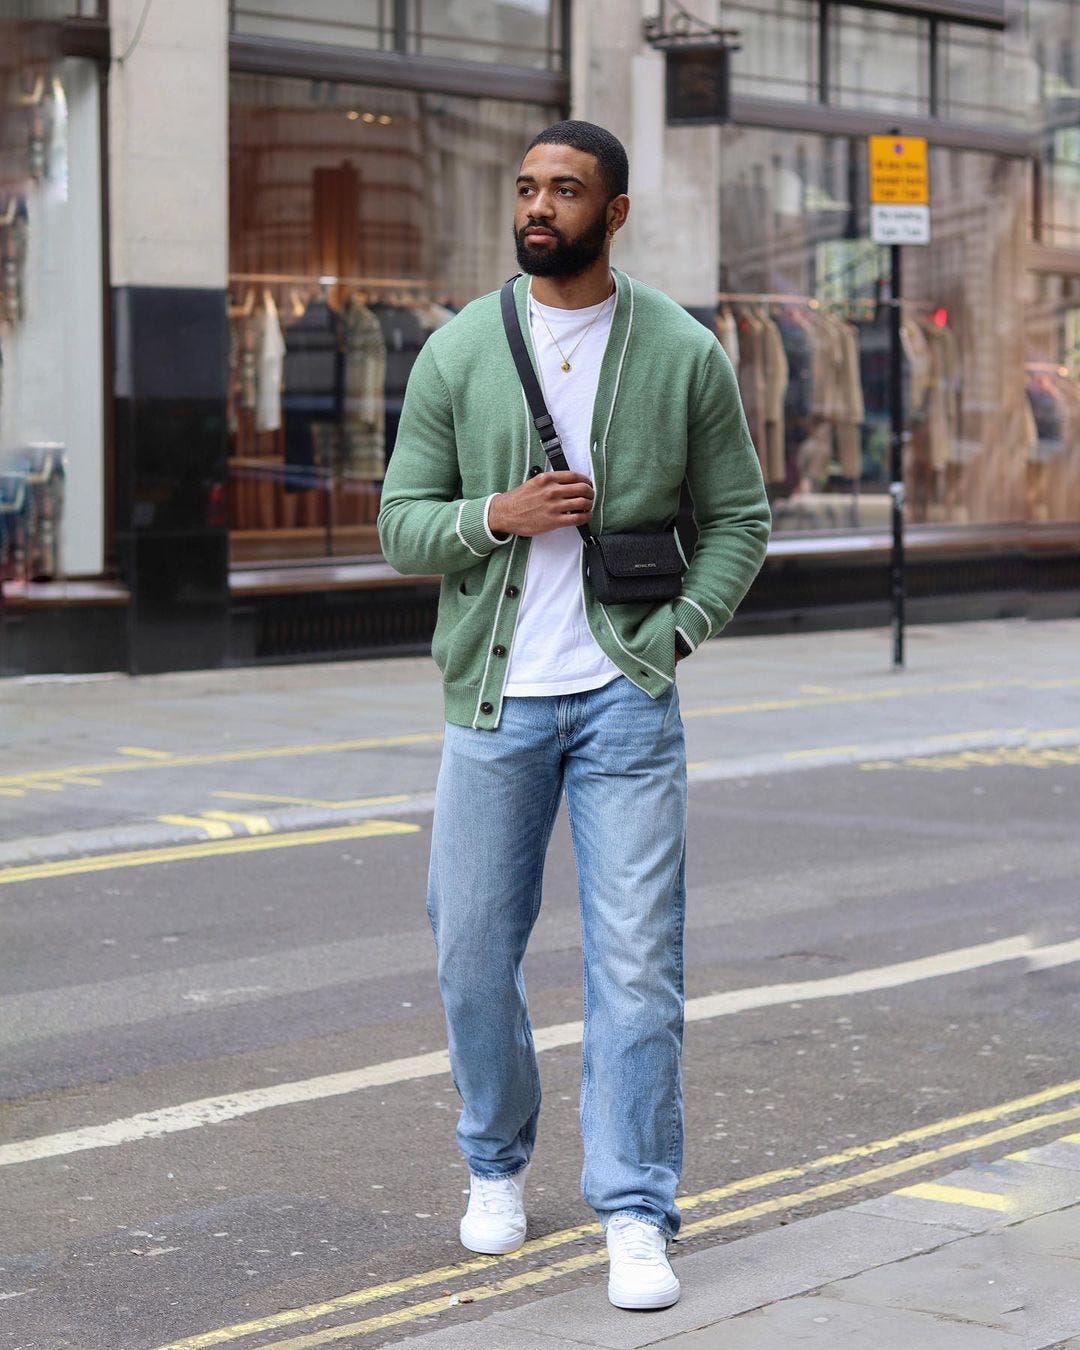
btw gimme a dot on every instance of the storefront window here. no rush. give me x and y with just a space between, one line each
51 373
803 311
44 10
859 77
526 33
983 80
361 219
778 49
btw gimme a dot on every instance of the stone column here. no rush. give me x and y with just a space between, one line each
168 160
672 238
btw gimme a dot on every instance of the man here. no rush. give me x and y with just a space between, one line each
549 692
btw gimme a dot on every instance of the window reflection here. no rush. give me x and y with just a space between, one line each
797 266
524 33
361 219
860 76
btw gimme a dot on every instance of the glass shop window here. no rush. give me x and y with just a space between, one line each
361 219
778 56
803 313
862 76
526 33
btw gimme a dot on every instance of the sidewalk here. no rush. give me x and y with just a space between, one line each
91 766
986 1258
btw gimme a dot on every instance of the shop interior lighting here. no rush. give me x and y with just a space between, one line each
353 115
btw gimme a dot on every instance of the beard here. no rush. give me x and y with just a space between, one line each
564 258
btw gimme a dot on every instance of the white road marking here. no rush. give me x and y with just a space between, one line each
1046 958
214 1110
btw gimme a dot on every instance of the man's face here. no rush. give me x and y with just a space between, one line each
561 219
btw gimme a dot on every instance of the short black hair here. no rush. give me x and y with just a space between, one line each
605 148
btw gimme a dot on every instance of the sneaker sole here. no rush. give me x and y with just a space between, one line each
664 1298
486 1247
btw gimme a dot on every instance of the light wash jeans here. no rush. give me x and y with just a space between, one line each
620 756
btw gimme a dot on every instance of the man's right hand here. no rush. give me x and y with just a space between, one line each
541 504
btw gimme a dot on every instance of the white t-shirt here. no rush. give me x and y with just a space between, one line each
553 651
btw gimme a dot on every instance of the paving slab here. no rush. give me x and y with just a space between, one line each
992 1280
826 1323
1056 1234
1061 1153
486 1334
717 1283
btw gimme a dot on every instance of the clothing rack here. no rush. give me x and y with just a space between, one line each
767 298
813 302
311 279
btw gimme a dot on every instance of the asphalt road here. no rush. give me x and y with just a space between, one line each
222 1105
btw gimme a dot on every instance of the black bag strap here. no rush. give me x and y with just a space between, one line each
534 397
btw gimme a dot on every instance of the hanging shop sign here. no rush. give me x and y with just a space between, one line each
698 86
697 58
899 190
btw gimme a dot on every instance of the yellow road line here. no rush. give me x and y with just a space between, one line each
47 776
444 1274
12 792
211 829
253 824
349 805
106 862
958 1195
161 759
822 750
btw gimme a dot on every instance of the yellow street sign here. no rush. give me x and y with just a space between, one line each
899 174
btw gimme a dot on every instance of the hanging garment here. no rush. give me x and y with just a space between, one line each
851 404
727 332
776 383
363 453
752 380
314 393
403 337
941 403
269 366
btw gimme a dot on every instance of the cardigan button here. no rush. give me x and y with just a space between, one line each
498 650
535 470
487 709
511 592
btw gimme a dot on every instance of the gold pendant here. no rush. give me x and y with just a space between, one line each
566 365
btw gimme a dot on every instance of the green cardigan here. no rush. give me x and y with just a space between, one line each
667 407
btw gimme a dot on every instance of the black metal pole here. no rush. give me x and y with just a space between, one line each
896 461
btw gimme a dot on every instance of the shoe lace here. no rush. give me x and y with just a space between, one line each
494 1195
634 1240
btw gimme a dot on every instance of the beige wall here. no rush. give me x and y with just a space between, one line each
672 239
168 123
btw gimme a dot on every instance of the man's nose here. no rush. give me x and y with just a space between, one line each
543 204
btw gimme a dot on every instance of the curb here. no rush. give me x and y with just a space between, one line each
157 834
802 1271
154 834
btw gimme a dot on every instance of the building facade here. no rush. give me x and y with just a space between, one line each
226 229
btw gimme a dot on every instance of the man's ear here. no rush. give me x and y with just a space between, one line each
617 211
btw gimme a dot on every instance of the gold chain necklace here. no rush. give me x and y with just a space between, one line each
566 366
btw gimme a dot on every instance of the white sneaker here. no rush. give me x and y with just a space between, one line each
494 1222
640 1275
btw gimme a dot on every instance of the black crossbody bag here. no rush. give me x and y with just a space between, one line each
623 569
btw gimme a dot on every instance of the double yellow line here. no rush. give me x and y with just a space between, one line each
872 1176
213 848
